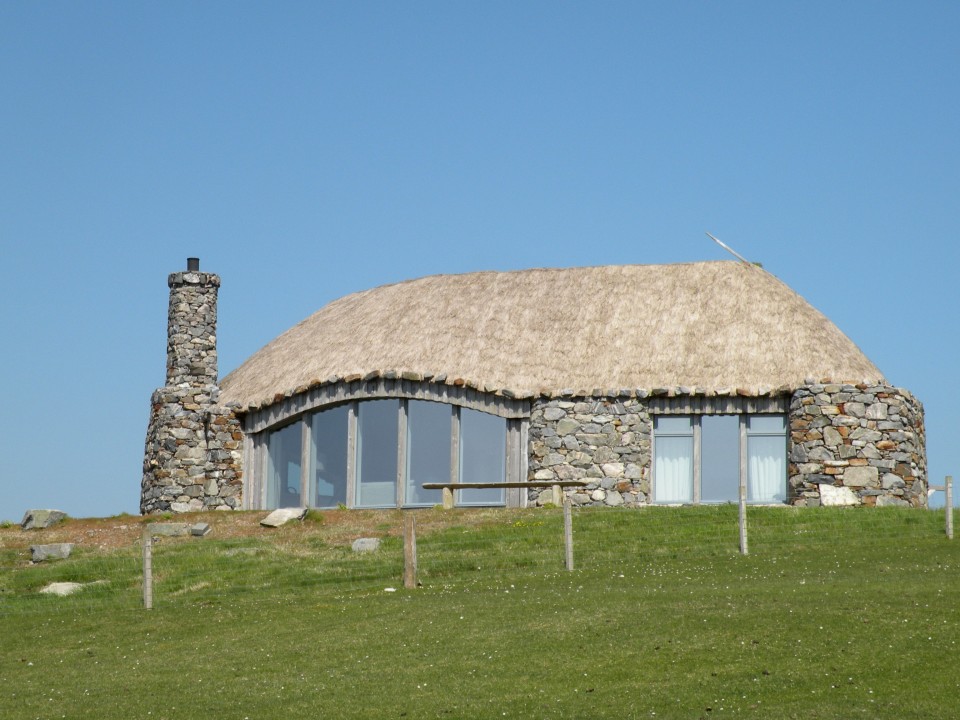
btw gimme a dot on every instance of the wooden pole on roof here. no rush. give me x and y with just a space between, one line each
730 250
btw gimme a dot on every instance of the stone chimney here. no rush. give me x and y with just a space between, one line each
192 327
193 453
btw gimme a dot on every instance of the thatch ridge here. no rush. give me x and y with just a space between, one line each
707 327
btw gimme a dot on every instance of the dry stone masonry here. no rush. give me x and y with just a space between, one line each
193 454
602 440
192 329
857 445
847 445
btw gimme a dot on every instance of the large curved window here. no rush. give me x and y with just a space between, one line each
482 457
379 453
328 458
283 474
428 451
377 422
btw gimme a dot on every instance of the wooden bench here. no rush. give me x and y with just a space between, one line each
557 486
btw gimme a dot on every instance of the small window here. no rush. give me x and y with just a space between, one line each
766 458
699 458
673 465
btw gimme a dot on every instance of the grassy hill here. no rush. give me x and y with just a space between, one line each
835 613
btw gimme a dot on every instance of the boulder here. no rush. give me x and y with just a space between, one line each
366 545
281 516
54 551
199 529
39 519
62 588
169 529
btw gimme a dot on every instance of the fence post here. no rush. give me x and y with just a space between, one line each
568 534
409 550
147 568
743 519
948 490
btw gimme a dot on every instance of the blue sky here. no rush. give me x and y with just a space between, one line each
307 150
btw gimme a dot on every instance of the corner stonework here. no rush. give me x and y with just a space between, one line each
866 441
194 446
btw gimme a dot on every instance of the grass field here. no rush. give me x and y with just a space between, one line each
836 613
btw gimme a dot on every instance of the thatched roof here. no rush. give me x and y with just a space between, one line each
709 325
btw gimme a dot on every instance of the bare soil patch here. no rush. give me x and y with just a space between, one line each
335 527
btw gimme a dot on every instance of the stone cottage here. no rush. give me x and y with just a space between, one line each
667 384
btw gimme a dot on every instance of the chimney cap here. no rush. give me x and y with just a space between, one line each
193 264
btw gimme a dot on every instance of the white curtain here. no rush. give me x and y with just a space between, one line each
766 471
673 471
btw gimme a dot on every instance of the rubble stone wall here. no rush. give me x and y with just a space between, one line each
856 445
846 445
193 454
604 441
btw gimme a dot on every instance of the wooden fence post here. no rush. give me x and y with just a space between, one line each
948 490
409 551
568 534
147 568
743 519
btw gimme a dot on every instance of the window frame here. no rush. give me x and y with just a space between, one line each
744 433
398 462
514 454
748 433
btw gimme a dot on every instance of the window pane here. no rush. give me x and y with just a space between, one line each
428 450
483 456
328 457
673 469
666 425
767 424
283 475
767 469
719 458
377 427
